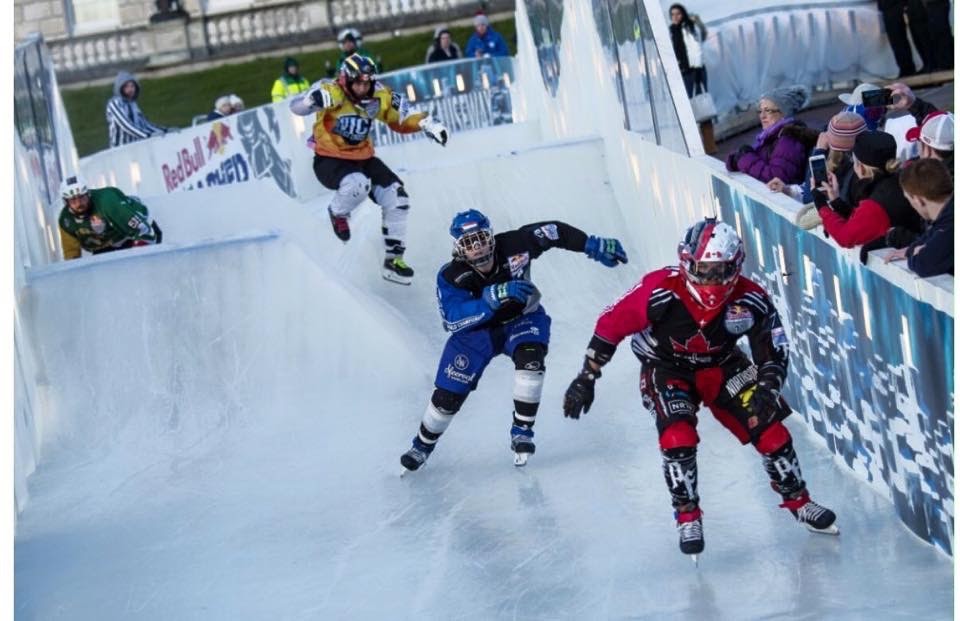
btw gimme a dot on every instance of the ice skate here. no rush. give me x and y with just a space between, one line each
521 442
690 529
341 226
395 269
413 459
816 518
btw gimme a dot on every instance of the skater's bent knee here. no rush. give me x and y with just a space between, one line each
680 434
446 401
772 439
530 357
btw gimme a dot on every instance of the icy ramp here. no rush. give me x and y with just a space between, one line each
226 421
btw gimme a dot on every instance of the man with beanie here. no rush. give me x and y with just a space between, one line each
928 186
780 149
882 204
290 82
485 41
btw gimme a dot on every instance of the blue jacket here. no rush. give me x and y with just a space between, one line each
936 256
491 44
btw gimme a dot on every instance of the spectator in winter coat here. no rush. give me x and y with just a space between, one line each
928 186
687 33
836 145
290 82
443 48
882 204
485 41
221 108
125 122
780 149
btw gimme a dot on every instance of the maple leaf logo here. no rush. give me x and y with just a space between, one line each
696 344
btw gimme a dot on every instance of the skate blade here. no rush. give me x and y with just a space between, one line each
520 459
696 560
394 277
829 530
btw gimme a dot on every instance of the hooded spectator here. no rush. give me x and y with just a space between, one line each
221 108
290 82
125 121
928 186
350 41
882 204
780 149
485 41
443 47
236 103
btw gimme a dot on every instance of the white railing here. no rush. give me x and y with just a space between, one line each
258 23
105 49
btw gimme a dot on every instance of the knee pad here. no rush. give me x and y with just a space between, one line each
351 192
393 196
528 359
395 204
443 405
679 435
772 439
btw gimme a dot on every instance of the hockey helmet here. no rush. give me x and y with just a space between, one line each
71 187
350 34
358 68
473 240
711 256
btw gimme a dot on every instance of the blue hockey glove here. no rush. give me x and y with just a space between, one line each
519 290
606 250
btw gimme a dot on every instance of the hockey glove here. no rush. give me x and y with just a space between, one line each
519 290
434 130
320 98
606 250
579 395
761 402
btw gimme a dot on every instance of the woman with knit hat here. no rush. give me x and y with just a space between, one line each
881 205
836 145
780 149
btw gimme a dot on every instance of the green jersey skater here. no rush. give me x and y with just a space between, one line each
102 220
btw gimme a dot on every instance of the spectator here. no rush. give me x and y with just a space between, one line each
125 121
935 136
485 41
351 42
780 149
928 186
221 108
904 99
836 145
102 220
687 33
881 204
893 16
941 38
236 103
290 82
853 102
443 48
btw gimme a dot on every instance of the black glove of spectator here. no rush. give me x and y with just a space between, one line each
579 395
744 149
865 249
819 198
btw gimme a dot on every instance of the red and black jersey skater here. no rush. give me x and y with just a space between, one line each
686 322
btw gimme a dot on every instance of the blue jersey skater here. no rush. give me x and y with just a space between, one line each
491 307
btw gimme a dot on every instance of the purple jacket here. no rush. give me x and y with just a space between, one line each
779 151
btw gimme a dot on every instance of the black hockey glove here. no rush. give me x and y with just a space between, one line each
761 401
579 395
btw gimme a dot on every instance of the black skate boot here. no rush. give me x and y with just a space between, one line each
395 269
816 518
341 226
521 442
690 528
417 455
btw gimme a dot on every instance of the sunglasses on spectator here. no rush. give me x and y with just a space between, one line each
768 111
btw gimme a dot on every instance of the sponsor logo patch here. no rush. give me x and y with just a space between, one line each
461 361
738 319
680 407
98 224
518 263
736 383
779 337
547 231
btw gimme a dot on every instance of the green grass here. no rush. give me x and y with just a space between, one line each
173 101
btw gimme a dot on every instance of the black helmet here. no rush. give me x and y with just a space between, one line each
357 68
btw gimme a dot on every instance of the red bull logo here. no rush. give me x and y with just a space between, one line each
220 134
188 162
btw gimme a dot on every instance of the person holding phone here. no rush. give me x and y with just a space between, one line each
882 204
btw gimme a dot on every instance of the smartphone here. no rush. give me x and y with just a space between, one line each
877 98
818 170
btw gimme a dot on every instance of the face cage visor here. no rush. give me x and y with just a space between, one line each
475 248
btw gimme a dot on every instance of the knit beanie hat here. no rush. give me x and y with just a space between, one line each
789 99
875 148
481 19
844 129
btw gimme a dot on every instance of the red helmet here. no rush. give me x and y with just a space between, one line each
711 255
